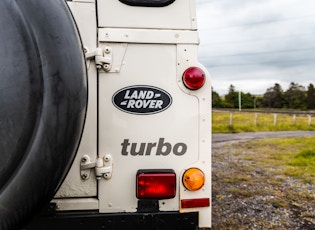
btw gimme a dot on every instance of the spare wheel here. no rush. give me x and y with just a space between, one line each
42 104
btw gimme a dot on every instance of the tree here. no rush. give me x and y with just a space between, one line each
273 98
295 96
232 97
310 97
216 100
247 100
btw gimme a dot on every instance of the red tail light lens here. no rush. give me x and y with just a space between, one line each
195 203
194 78
156 184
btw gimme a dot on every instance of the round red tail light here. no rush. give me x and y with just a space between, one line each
194 78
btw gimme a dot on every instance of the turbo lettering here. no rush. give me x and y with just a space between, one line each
160 148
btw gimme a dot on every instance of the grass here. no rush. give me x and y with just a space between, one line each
303 165
287 156
235 122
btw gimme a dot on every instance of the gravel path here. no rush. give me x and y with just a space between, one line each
226 137
247 196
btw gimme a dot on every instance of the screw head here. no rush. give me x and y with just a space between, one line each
84 176
107 50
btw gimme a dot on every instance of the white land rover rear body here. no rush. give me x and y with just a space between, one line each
140 114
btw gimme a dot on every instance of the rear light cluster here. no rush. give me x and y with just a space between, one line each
194 78
161 184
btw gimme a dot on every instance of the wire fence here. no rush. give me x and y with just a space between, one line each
245 121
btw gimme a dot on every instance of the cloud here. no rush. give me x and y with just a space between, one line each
254 44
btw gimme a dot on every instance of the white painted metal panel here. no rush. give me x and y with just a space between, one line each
179 15
148 36
151 65
76 204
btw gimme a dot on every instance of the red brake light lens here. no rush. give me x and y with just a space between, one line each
156 184
194 78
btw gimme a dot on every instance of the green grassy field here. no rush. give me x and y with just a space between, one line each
289 156
234 122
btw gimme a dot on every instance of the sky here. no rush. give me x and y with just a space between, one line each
253 44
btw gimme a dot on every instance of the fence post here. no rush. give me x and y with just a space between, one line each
275 119
294 119
231 119
309 120
256 118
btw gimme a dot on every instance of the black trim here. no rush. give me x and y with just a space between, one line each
141 171
148 3
148 205
118 221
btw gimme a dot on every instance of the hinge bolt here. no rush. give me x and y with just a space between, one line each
84 176
106 67
107 158
107 50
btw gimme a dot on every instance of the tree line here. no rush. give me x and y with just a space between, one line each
295 97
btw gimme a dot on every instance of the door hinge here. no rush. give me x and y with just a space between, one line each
102 167
103 58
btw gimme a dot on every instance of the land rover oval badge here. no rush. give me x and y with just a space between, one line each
142 99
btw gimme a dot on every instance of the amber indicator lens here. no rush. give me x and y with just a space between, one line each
193 179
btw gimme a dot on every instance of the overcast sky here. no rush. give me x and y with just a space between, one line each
253 44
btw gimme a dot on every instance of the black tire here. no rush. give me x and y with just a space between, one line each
43 99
